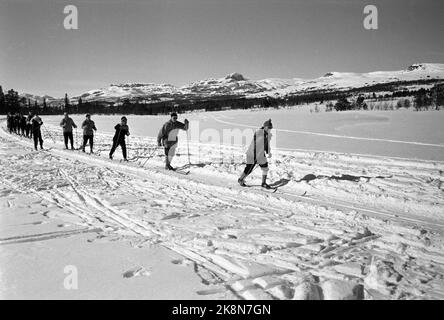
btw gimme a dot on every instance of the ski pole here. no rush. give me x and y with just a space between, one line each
188 147
49 134
128 148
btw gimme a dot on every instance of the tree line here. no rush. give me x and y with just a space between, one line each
422 98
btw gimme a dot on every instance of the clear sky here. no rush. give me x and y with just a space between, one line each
180 41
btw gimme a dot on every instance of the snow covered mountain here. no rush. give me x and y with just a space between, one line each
236 85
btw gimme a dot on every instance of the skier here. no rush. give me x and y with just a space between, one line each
88 134
22 124
167 138
15 123
122 130
9 122
28 125
256 154
67 124
36 123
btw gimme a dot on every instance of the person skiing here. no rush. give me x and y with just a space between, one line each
122 130
167 138
22 124
28 125
36 123
67 124
256 154
16 123
88 127
9 122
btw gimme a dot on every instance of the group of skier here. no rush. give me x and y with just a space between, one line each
167 138
26 126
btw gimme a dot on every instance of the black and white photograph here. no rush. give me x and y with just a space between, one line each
221 150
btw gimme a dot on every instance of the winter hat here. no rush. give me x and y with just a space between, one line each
268 124
173 114
123 118
88 115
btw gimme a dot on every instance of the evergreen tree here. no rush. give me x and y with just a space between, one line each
66 101
12 101
2 102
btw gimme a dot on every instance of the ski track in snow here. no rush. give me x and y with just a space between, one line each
366 227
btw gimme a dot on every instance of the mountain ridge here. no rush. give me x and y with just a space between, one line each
236 84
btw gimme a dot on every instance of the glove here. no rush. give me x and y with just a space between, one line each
269 155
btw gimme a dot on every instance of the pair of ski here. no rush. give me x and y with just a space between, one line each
259 187
183 171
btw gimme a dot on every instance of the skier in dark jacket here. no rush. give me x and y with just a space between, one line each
9 120
36 123
167 138
256 154
67 124
22 124
16 122
122 130
88 127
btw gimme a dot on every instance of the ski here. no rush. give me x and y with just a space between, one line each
181 171
271 190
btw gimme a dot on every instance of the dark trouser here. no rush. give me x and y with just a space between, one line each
37 138
85 141
250 166
116 144
66 136
28 130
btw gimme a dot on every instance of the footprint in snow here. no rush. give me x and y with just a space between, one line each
137 272
182 262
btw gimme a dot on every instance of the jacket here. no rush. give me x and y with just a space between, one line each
121 132
67 124
258 147
168 133
88 126
36 123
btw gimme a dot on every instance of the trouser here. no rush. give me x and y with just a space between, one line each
122 144
87 138
170 151
28 130
250 166
66 136
37 138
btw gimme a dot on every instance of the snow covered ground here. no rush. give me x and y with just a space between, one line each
341 225
402 133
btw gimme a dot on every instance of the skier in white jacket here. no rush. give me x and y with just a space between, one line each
256 154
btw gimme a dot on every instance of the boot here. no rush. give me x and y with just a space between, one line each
264 182
241 180
168 165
